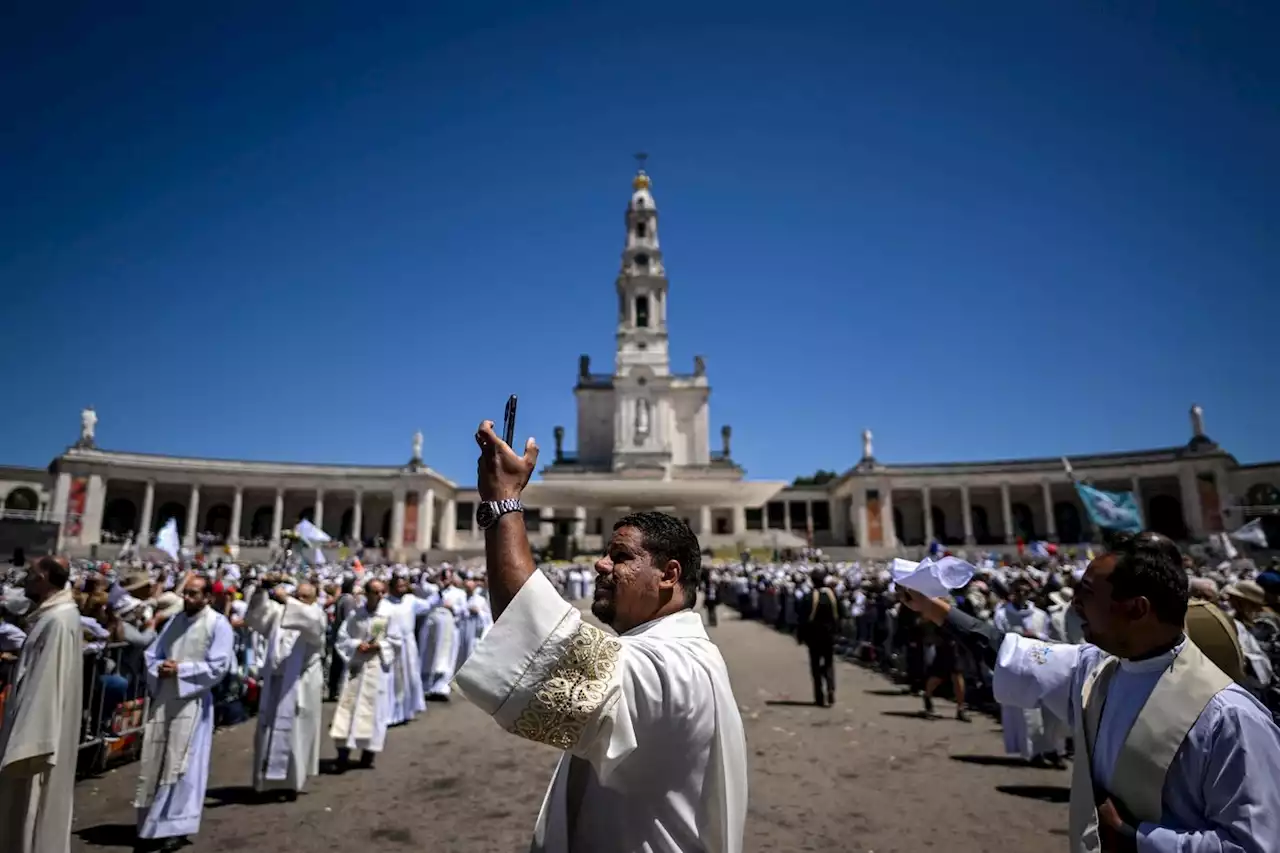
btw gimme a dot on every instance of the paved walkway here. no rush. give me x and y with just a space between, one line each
866 775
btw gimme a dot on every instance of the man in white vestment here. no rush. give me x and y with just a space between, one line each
440 655
190 656
404 607
40 734
1171 755
1024 728
474 622
286 745
654 753
368 641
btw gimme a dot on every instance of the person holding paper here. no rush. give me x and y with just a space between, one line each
1171 755
654 755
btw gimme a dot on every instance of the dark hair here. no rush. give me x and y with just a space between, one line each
54 572
666 538
349 584
1150 565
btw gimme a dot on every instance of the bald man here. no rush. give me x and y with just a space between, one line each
286 748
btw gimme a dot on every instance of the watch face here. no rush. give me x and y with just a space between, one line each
484 514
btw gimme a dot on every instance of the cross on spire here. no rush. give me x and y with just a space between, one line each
641 157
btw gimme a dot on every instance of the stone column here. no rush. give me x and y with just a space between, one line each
237 510
926 498
397 519
1191 509
839 520
808 516
1006 513
786 516
448 524
357 518
61 495
858 514
1050 523
91 524
1136 487
277 517
704 520
886 517
739 525
318 511
148 509
193 515
966 509
579 523
426 517
546 521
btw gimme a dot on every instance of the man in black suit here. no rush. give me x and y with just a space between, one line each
819 622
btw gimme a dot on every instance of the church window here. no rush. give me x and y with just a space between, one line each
640 229
642 261
642 312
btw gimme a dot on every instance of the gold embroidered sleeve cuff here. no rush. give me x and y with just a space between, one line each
542 672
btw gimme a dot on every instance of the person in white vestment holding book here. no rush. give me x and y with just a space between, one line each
188 659
1171 755
368 641
40 734
654 753
286 744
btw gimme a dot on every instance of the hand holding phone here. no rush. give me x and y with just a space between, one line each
509 422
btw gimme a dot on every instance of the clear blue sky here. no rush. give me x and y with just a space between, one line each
983 231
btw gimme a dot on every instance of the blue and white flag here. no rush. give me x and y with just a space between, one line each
1251 533
167 539
1039 549
1112 510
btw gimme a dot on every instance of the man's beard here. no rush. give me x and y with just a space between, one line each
604 608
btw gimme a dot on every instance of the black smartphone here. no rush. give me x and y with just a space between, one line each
509 421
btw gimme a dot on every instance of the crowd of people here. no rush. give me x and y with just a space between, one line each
214 644
217 643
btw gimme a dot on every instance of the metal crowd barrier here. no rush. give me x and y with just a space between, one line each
115 705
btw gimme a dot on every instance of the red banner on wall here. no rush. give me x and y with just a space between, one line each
411 519
875 529
75 505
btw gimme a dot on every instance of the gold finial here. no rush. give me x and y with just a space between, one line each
641 180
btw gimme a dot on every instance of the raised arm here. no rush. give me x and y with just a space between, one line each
307 619
502 475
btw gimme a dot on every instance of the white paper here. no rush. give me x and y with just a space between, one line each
934 579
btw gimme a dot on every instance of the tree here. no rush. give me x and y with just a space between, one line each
820 478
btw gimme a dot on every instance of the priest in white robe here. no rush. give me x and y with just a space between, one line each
367 641
187 660
1024 728
40 733
1171 755
286 746
405 607
654 753
440 655
474 622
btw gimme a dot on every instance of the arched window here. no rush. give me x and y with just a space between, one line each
1067 519
22 500
1164 515
898 526
981 525
642 311
1024 524
175 510
939 523
348 521
120 517
218 521
260 526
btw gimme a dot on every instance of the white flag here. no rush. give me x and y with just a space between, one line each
309 533
167 540
1252 533
1224 544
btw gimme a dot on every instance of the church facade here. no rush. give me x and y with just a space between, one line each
643 442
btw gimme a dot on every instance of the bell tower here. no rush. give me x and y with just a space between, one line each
642 287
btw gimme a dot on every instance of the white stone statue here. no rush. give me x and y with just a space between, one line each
866 444
417 445
642 417
88 420
1197 421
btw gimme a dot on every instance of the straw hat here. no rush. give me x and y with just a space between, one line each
1246 591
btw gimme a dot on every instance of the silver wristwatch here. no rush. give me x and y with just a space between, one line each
488 512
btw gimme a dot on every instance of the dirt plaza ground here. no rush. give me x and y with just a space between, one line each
867 775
